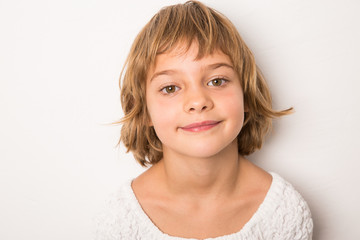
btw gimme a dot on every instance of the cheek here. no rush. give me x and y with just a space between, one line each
162 112
233 109
164 119
233 102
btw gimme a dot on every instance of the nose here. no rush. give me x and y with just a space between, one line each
197 101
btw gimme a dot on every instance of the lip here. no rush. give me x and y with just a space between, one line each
200 126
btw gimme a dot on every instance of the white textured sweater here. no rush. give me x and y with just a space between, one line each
283 215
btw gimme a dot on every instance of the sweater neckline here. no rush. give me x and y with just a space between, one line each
264 209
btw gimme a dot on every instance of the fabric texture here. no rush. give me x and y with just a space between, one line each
283 215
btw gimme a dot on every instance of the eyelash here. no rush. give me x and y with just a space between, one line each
223 81
164 89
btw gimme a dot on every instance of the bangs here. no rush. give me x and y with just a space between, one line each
184 24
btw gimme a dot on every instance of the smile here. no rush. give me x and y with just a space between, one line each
200 126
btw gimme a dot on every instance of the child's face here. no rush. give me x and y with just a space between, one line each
195 106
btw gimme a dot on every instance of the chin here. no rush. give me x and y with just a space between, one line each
206 151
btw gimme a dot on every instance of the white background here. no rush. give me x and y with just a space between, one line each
59 68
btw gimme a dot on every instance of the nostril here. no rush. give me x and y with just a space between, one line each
195 109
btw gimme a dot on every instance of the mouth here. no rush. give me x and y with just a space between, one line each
200 126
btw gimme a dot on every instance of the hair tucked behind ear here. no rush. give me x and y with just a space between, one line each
184 24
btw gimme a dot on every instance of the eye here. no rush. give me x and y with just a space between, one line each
217 82
169 89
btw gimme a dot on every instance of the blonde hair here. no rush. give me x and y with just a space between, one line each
185 23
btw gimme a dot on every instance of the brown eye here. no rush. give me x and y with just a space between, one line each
217 82
169 89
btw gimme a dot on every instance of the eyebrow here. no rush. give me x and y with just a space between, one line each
218 65
210 66
165 72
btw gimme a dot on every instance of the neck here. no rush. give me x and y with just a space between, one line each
202 177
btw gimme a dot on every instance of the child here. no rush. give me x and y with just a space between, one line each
195 104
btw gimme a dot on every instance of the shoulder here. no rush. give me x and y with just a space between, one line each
116 217
290 214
